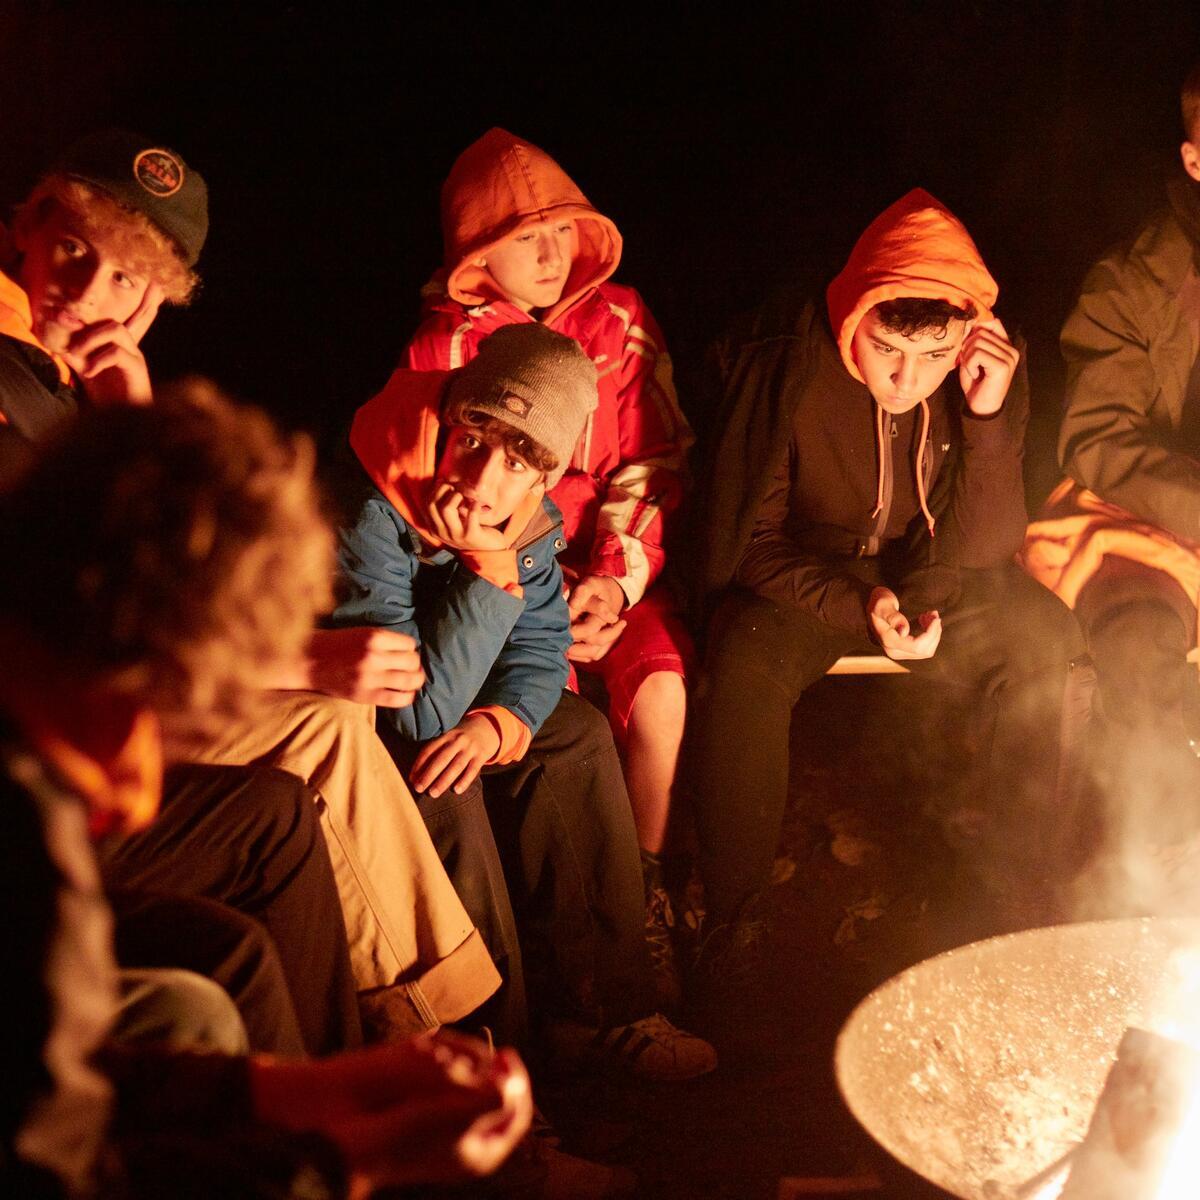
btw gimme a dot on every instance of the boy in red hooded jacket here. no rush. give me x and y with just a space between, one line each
866 493
522 243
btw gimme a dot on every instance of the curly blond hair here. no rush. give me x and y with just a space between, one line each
130 236
177 552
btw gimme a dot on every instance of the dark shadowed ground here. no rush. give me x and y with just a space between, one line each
771 1112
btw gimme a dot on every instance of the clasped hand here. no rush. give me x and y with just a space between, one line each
893 630
595 604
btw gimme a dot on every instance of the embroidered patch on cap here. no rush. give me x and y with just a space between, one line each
159 172
516 404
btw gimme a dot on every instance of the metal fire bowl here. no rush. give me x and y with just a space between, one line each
982 1066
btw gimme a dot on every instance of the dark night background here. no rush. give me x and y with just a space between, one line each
735 148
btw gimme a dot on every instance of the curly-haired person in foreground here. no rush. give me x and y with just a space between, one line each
127 619
113 230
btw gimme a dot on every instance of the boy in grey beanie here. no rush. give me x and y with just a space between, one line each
452 540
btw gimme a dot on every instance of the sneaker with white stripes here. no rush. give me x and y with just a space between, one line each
651 1049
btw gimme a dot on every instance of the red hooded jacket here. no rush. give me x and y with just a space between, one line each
628 472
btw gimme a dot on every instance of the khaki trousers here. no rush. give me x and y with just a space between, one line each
418 960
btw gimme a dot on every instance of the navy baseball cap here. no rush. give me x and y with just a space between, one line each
147 177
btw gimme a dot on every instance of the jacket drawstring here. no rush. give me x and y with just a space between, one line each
881 439
921 467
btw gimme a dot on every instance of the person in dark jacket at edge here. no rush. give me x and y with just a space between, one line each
865 494
126 620
1119 539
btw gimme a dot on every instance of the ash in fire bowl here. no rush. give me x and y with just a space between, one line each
981 1067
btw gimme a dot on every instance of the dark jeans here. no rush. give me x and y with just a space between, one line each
1007 640
545 858
1139 627
246 838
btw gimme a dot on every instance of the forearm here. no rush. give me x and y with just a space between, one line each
534 693
530 671
984 524
777 570
631 529
1129 469
460 637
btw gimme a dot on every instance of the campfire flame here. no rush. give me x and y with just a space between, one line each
1182 1173
1179 1018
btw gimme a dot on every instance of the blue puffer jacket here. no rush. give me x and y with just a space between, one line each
479 644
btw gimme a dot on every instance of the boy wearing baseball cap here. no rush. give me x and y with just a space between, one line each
112 232
452 540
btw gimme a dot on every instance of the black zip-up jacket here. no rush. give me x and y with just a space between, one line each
794 471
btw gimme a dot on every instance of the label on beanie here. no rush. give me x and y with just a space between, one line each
517 405
159 172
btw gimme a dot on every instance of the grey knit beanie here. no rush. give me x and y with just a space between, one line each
533 379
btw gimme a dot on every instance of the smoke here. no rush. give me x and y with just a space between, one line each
1140 819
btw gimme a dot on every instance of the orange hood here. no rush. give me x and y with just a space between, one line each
395 438
917 248
500 184
16 322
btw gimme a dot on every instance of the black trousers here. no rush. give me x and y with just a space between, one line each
544 855
1007 641
163 930
1139 627
243 839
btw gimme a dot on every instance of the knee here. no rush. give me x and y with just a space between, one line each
1046 636
284 806
590 730
1133 630
181 1009
660 705
334 722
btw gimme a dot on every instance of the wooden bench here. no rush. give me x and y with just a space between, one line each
867 664
880 664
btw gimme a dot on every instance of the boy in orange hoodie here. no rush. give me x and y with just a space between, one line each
522 243
854 433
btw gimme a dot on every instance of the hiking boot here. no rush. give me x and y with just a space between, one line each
651 1049
660 929
726 980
